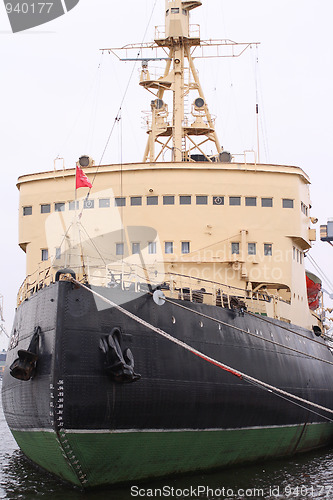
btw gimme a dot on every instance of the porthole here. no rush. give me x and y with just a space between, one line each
220 328
201 324
173 319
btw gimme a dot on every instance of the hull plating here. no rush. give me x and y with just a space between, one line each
183 414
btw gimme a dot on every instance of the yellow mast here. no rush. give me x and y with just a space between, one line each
179 134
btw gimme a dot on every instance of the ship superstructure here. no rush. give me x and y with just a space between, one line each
184 250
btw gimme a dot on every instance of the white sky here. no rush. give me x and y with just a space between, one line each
55 100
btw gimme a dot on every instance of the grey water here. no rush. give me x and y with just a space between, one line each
304 476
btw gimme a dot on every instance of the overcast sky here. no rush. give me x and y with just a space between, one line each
60 96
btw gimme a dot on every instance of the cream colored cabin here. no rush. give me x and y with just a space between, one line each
206 228
239 225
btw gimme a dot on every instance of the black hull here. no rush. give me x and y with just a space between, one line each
71 389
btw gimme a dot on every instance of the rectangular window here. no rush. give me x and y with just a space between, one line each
88 204
287 203
168 246
250 201
185 247
202 200
58 253
45 209
301 257
268 249
184 12
136 201
297 252
235 248
104 202
152 200
71 205
251 249
119 248
45 254
266 202
218 200
168 200
59 207
167 12
152 247
175 10
119 202
234 200
185 200
27 210
294 253
135 248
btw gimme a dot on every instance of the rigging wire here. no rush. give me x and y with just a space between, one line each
118 115
250 333
84 100
223 366
320 271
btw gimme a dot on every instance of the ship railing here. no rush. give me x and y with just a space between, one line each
40 278
175 286
194 32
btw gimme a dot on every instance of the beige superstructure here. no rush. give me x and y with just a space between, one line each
199 222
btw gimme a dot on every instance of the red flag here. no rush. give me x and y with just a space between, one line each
81 179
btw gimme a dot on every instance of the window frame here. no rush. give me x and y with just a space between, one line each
166 250
233 252
235 198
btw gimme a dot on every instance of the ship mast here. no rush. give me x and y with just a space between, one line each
180 133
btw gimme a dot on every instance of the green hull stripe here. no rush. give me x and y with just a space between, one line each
108 458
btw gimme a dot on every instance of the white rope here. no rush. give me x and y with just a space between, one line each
254 334
200 354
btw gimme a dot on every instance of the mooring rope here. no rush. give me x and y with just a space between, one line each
223 366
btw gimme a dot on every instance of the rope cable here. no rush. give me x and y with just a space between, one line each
123 99
237 373
249 333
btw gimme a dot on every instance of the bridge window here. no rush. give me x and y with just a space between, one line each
168 246
152 247
185 247
104 202
202 200
235 248
119 202
266 202
175 10
287 203
152 200
136 200
71 205
250 201
135 248
45 254
119 248
234 200
268 249
251 248
185 200
168 200
59 207
45 209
